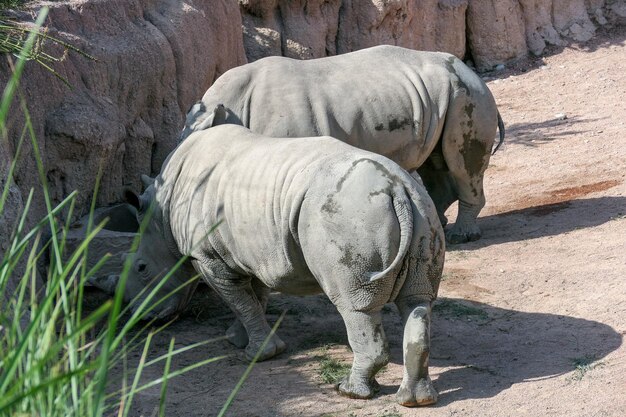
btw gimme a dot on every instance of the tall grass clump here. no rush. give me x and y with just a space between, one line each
56 357
10 4
13 35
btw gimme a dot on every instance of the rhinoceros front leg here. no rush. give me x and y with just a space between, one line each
237 293
236 333
416 388
439 185
371 352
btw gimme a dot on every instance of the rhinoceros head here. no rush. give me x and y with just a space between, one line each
154 261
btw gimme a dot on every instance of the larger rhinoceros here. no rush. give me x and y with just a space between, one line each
300 216
423 110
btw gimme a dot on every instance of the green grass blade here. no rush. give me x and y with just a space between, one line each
166 372
9 91
6 403
129 399
243 378
9 178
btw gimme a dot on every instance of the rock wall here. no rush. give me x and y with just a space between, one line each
156 57
124 111
488 32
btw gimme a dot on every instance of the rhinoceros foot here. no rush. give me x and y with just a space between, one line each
274 347
422 393
456 235
237 335
357 389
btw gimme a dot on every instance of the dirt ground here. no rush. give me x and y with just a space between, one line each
530 319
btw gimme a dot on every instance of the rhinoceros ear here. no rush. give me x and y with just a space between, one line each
132 198
146 180
217 117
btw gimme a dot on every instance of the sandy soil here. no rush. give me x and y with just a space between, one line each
530 320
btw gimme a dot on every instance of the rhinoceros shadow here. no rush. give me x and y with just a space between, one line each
483 349
536 134
478 351
546 220
486 349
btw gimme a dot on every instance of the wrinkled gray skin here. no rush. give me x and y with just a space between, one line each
426 111
299 216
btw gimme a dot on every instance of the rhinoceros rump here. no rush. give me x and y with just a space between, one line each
300 216
424 110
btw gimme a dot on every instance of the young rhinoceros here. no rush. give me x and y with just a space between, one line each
426 111
299 216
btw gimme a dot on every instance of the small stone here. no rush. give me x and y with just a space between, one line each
576 29
560 116
500 67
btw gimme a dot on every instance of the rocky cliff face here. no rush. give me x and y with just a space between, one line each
489 32
124 111
156 57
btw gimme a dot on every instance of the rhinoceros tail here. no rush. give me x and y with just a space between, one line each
501 129
404 214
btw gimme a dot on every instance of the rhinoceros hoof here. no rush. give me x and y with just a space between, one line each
237 335
423 393
274 347
357 390
454 237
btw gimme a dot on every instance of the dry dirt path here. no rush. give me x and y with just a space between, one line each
531 318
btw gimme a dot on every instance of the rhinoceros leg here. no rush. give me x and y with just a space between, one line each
236 333
371 352
416 388
439 186
466 143
237 293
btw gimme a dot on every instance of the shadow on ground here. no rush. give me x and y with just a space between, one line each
478 351
546 220
494 351
605 38
535 134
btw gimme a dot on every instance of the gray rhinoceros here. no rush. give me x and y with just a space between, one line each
300 216
424 110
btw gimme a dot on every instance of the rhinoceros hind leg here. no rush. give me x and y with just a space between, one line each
465 229
466 141
371 352
416 388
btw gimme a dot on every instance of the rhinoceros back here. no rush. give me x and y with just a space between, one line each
388 100
257 187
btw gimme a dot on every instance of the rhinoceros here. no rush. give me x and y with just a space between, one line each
423 110
299 216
